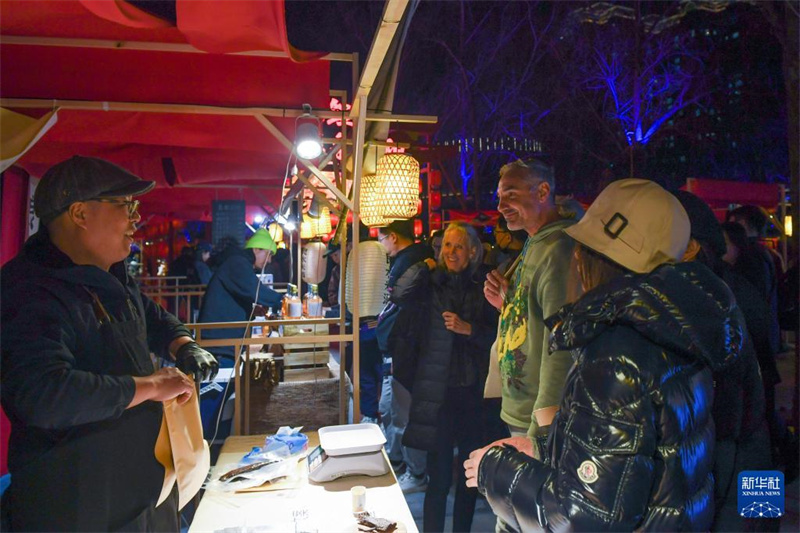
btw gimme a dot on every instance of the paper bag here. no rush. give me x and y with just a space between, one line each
181 449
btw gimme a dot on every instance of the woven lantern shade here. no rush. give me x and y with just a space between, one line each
275 231
368 204
398 186
322 225
373 269
306 229
314 262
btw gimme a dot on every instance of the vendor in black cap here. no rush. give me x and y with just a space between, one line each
78 383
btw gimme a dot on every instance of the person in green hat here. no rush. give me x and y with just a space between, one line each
235 288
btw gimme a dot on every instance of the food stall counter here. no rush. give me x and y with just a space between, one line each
300 505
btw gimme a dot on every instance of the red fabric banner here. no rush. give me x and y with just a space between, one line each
238 26
218 27
14 212
196 148
124 13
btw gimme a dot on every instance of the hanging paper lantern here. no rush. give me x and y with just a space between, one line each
373 268
314 262
275 231
368 202
398 186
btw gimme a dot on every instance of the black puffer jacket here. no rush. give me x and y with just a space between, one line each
447 359
632 446
399 321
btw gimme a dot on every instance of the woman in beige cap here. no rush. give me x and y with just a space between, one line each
632 444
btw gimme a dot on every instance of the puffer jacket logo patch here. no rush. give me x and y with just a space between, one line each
587 472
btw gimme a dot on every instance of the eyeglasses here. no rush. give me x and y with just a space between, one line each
381 239
132 205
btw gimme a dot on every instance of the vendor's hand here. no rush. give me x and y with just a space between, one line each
431 263
192 359
495 288
166 384
454 323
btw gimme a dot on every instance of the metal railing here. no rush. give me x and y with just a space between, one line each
241 415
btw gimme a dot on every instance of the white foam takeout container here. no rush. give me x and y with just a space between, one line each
351 438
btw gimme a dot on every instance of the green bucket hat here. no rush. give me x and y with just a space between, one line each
261 239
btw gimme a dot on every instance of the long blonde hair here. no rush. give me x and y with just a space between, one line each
595 269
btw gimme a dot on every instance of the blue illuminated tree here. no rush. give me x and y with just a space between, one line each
645 69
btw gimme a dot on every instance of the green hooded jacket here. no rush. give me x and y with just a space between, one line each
532 379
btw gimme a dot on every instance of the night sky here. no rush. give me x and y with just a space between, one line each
705 90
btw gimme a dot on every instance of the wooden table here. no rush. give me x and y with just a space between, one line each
327 507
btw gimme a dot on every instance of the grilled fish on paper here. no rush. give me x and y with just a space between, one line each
228 476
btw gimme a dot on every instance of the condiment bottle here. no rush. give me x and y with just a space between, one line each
294 305
312 303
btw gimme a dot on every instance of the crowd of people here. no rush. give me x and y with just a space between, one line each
607 370
633 350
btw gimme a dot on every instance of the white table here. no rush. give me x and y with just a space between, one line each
326 507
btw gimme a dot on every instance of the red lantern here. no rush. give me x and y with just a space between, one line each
435 179
417 227
436 201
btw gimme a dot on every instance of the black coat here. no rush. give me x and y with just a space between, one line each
399 323
446 359
79 460
230 295
632 445
742 435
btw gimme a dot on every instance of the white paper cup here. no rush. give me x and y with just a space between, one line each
359 496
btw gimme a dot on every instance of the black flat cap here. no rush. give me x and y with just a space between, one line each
79 179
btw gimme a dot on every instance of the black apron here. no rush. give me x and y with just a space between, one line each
101 476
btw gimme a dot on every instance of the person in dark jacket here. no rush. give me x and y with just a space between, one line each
235 288
767 265
631 447
508 245
78 383
742 435
447 399
399 343
202 271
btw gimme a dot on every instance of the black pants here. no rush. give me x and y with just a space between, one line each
460 425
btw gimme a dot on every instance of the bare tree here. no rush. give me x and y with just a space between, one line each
643 70
488 83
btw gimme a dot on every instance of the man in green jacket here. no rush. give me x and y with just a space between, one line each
532 378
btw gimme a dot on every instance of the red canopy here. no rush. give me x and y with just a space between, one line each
720 194
174 149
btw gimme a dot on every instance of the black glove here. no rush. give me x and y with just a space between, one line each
191 359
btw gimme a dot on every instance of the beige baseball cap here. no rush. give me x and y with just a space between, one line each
635 223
